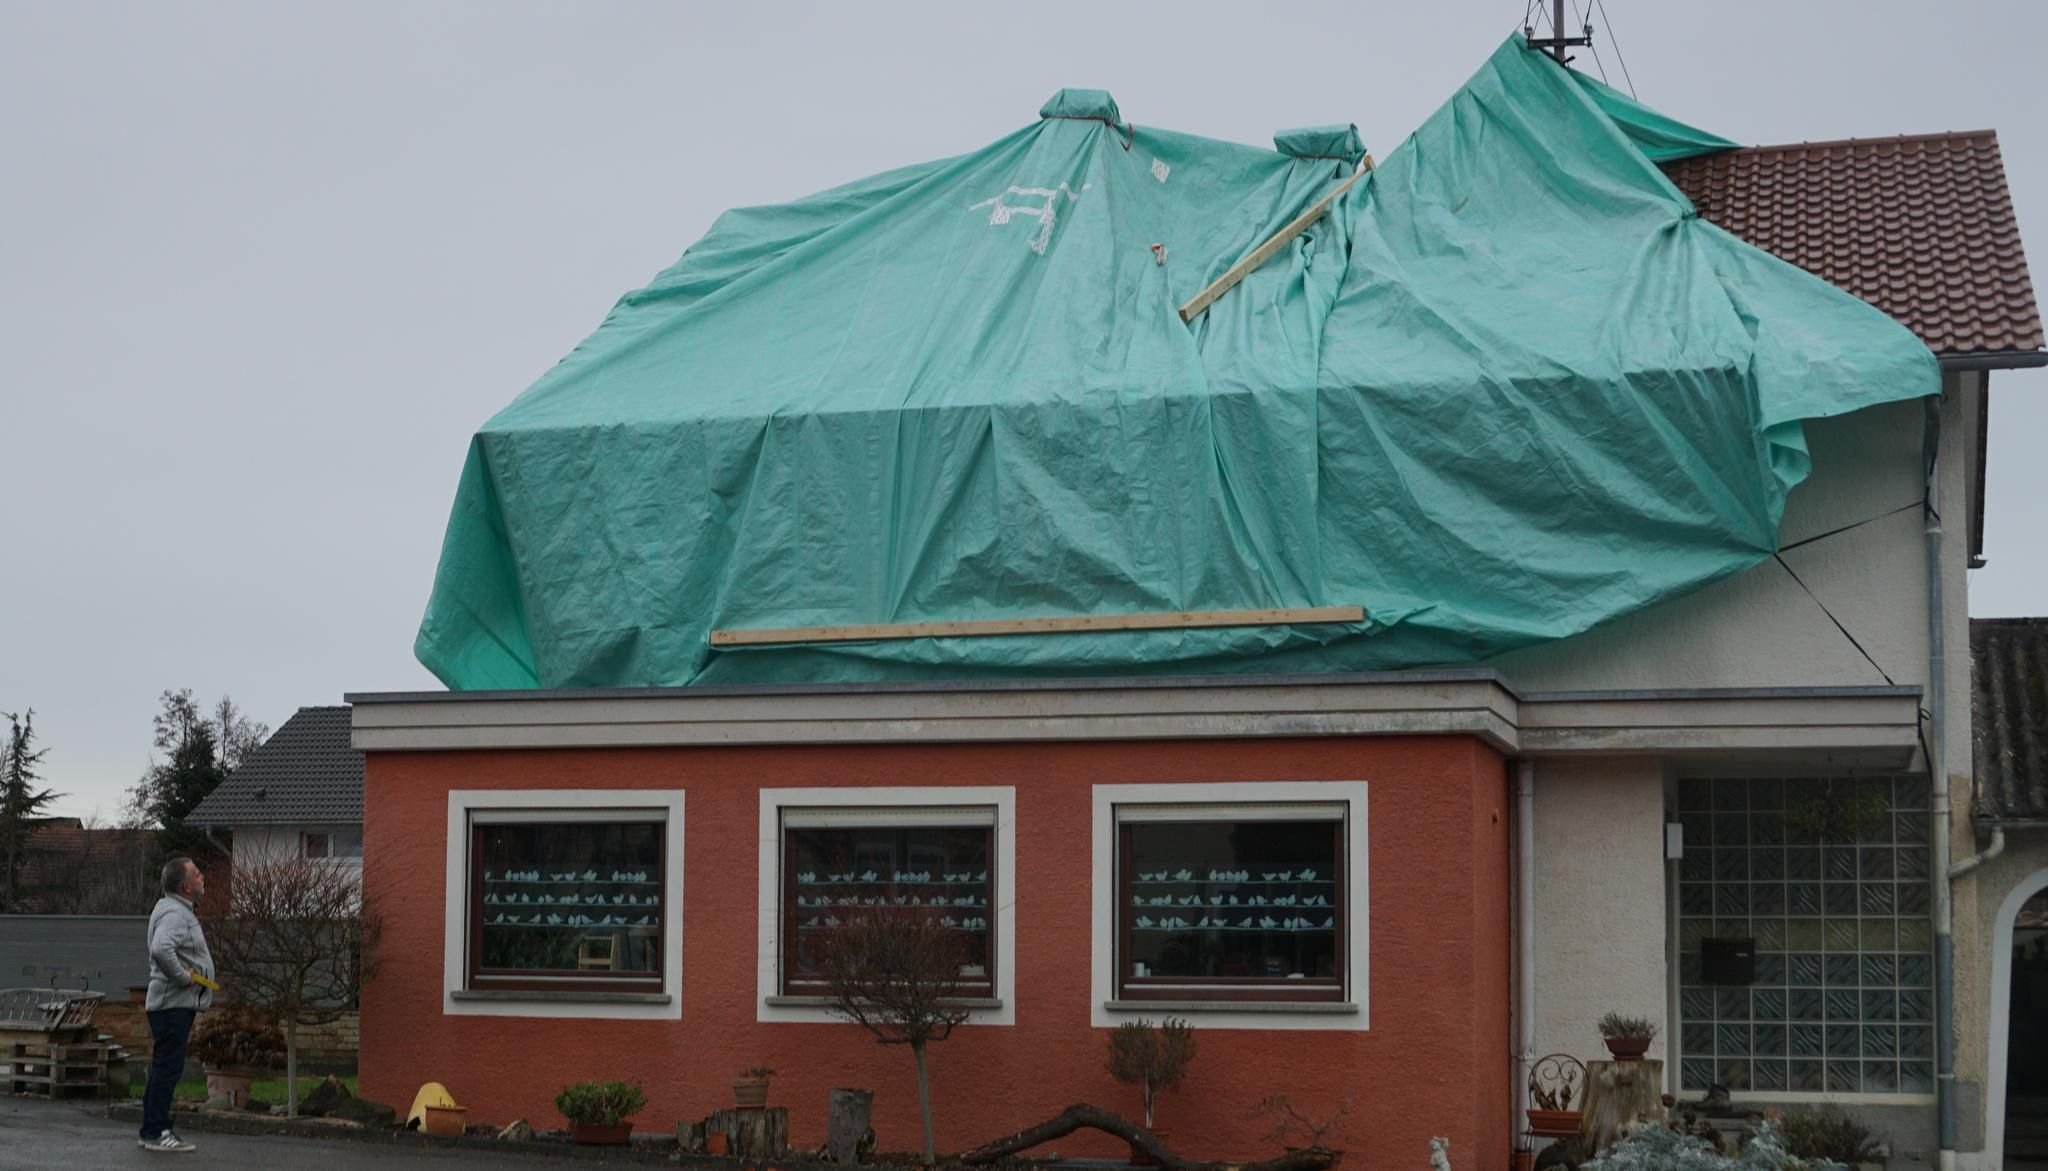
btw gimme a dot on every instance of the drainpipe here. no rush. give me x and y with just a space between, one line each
1989 852
1525 930
1937 771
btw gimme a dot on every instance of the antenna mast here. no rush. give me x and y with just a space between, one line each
1556 43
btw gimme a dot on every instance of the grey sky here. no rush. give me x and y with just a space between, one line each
264 268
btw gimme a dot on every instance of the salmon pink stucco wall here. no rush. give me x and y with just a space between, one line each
1435 1060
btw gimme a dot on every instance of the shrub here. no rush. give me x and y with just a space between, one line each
1616 1025
1153 1056
1828 1134
760 1071
600 1103
241 1034
1659 1148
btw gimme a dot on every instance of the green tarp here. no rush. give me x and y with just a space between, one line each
1510 387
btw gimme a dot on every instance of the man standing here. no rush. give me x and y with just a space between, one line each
178 962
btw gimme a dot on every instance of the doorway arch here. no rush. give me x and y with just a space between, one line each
2001 1010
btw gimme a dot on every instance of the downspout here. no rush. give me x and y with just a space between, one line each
1937 771
1989 852
1525 932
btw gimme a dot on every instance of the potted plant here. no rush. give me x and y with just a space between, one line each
597 1111
235 1044
447 1120
1555 1085
1155 1057
1627 1037
750 1089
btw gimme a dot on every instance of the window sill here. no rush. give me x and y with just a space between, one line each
828 1002
1324 1007
565 997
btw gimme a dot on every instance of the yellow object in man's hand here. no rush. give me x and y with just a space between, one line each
204 982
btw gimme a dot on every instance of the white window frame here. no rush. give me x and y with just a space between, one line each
769 1004
561 805
1228 800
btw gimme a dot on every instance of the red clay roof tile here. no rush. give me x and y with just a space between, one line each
1920 226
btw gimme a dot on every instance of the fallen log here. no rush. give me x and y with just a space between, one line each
1082 1116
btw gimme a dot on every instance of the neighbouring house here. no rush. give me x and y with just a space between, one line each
299 793
71 868
1006 597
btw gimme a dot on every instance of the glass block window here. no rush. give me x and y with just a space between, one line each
1843 997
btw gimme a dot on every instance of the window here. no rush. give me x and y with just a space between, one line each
837 863
1842 999
1231 903
947 853
1238 904
566 904
336 844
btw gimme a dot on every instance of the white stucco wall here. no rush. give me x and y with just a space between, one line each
1759 628
1599 896
274 840
1600 891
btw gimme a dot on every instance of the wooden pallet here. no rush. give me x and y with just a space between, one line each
56 1070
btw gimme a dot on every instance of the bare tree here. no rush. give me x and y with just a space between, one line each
896 973
299 937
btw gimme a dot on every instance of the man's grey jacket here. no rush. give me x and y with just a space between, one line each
177 948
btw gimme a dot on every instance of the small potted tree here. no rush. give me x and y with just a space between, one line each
1627 1037
750 1089
1155 1057
597 1111
236 1044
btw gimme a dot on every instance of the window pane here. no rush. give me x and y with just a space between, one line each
833 873
1232 900
580 899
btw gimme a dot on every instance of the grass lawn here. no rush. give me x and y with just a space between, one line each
263 1089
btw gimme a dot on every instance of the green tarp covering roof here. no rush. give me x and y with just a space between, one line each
1511 386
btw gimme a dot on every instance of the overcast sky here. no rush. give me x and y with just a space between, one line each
264 267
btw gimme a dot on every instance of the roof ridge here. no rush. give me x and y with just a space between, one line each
1878 140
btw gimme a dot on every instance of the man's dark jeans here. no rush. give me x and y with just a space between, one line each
169 1029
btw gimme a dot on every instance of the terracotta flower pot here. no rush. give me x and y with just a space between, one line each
714 1142
446 1121
598 1134
230 1082
750 1093
1554 1123
1628 1048
1522 1161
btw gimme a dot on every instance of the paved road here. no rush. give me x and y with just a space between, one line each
72 1136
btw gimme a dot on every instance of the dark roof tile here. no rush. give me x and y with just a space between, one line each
2009 719
306 773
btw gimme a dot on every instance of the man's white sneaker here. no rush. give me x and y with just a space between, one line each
167 1142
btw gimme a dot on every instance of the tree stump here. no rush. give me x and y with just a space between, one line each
752 1134
1618 1095
846 1127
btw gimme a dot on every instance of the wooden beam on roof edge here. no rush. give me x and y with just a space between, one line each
1072 624
1264 252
